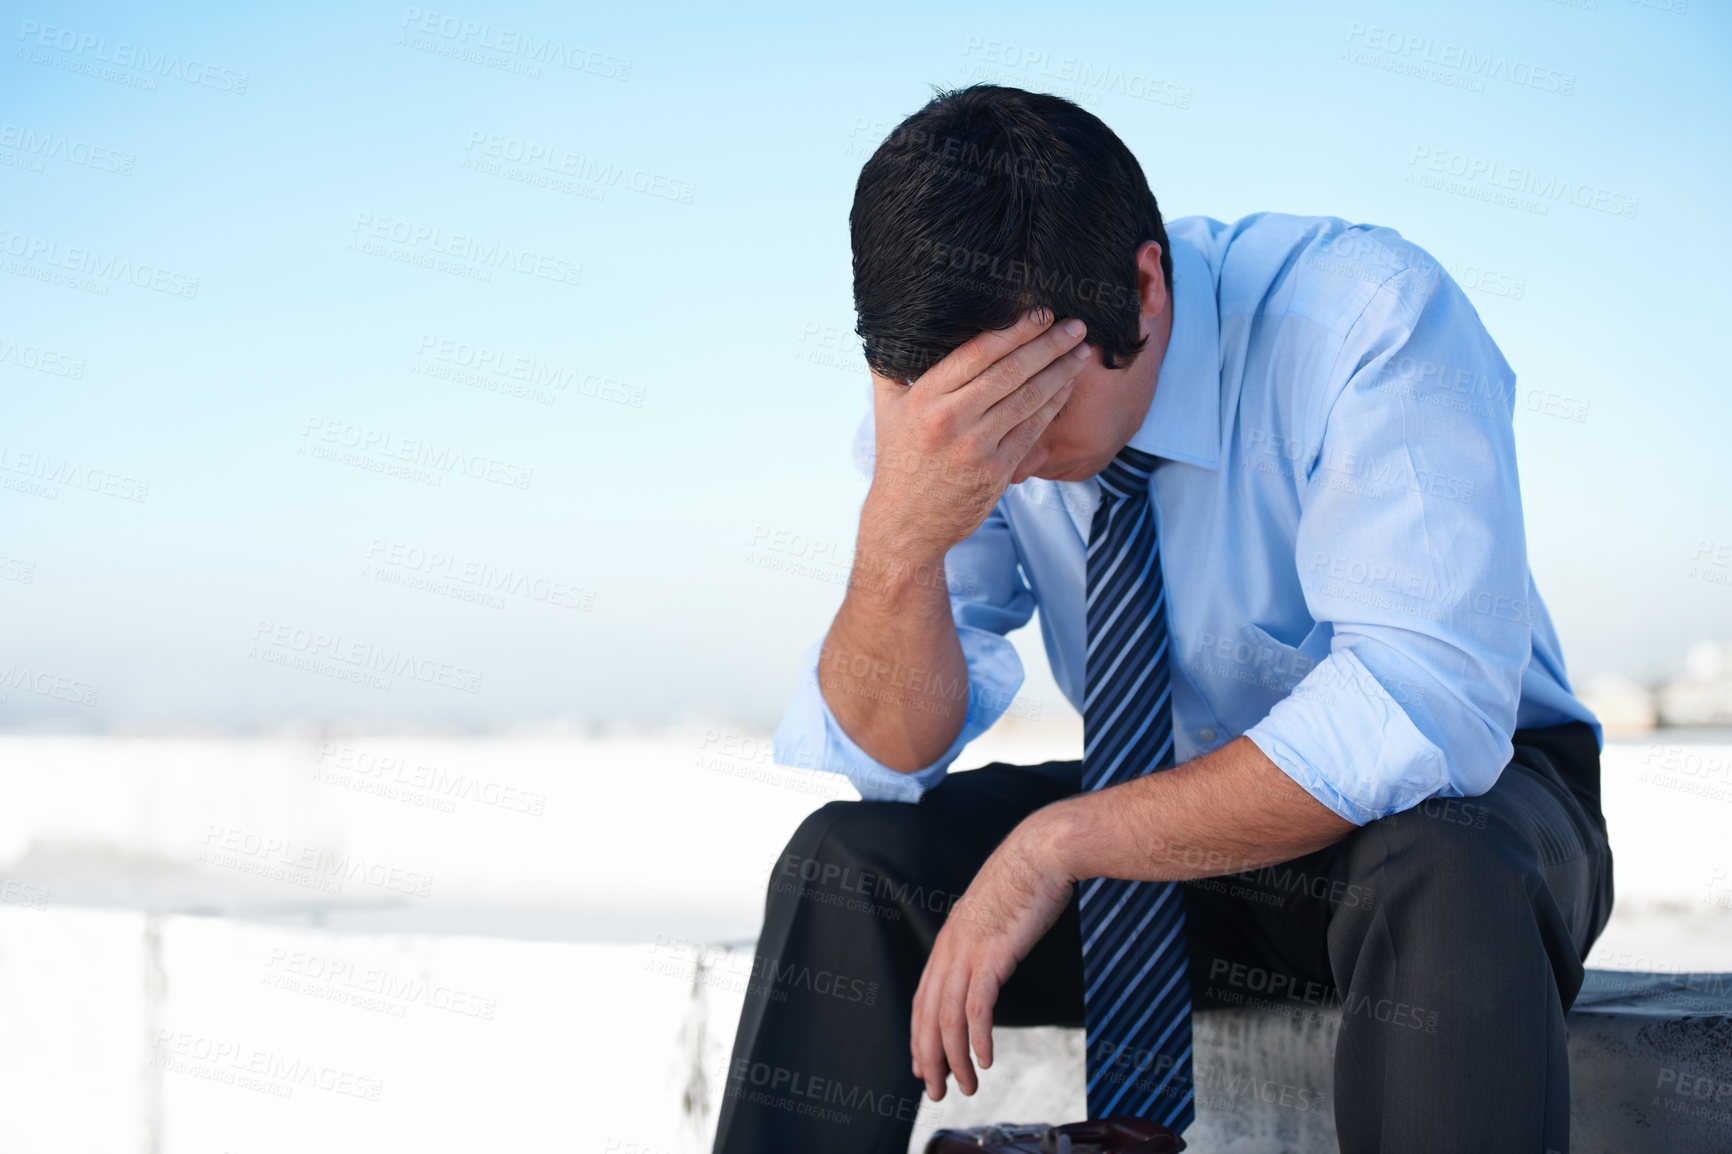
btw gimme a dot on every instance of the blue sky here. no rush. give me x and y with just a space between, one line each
325 321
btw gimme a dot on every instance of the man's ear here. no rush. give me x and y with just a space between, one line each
1151 284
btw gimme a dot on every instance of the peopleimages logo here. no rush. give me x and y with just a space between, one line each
84 47
322 432
60 687
557 161
993 272
1480 176
1081 76
40 146
489 367
273 641
479 575
283 859
47 472
90 262
424 244
513 44
1447 59
249 1067
40 360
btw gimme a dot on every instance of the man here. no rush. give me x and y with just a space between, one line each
1260 481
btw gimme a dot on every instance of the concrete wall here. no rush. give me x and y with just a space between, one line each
264 945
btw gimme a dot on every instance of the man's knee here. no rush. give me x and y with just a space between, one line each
813 834
1455 857
845 829
844 845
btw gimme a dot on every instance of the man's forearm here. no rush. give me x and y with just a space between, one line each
891 667
1224 812
947 446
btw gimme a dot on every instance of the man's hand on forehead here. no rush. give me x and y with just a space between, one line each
949 441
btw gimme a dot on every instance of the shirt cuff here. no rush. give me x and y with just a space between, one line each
809 736
1349 744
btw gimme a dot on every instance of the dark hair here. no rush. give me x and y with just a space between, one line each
990 201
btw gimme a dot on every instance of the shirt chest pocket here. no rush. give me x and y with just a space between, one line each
1248 662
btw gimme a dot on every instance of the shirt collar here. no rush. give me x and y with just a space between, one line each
1184 419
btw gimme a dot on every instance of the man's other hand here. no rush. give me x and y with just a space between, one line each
1013 901
948 446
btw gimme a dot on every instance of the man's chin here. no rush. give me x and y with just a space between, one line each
1041 473
1056 472
1061 470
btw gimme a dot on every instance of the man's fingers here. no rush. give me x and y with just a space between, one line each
914 1029
1021 439
932 1068
1027 399
917 1027
924 1038
982 994
1011 372
953 1027
979 353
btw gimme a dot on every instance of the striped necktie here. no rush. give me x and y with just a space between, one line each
1136 993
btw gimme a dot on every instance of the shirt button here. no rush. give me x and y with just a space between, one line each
1205 735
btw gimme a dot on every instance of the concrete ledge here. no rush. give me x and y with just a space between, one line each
1650 1066
1651 1063
1650 1069
191 1030
160 992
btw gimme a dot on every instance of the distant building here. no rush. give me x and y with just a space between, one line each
1622 705
1702 694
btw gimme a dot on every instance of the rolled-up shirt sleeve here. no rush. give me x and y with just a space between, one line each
1411 546
988 598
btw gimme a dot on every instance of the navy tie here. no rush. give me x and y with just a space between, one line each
1136 990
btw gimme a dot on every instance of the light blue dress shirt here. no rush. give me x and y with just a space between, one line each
1340 530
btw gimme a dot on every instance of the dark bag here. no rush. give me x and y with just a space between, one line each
1102 1136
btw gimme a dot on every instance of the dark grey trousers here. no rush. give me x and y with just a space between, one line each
1450 936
